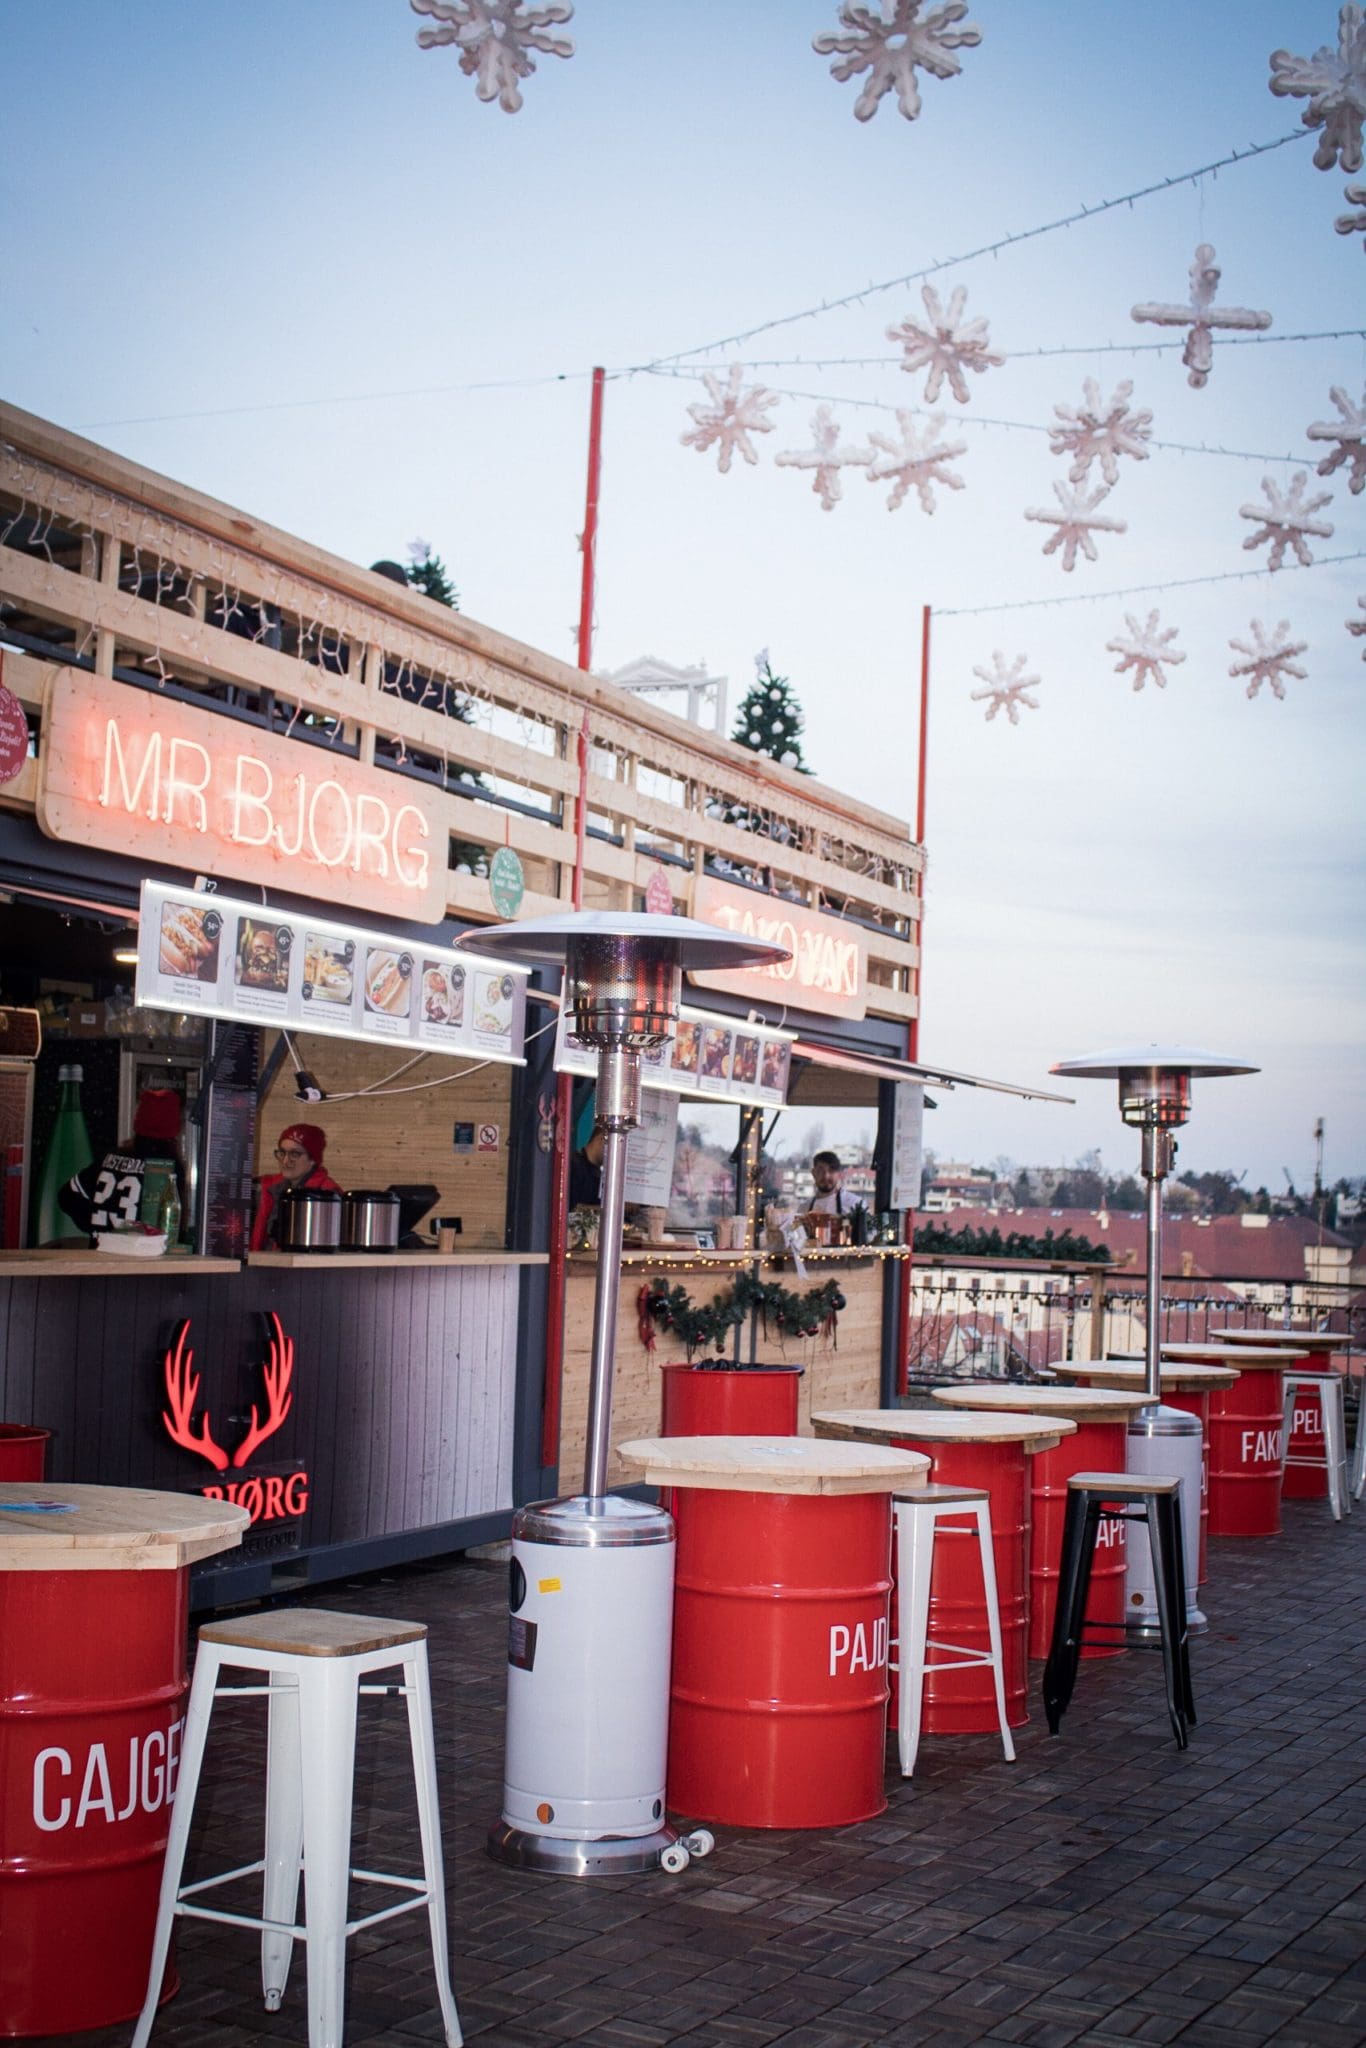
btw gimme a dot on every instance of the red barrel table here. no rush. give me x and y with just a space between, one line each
94 1589
23 1450
778 1692
1246 1435
1187 1387
1099 1445
987 1451
1303 1481
730 1400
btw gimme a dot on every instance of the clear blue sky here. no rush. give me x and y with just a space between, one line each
231 230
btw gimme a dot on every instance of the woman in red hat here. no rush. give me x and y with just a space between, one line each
300 1155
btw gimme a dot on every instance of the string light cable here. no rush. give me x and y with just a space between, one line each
1025 604
418 1087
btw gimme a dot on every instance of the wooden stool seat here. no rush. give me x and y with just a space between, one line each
313 1632
1123 1482
944 1496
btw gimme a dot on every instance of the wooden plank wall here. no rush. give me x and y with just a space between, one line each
401 1138
845 1373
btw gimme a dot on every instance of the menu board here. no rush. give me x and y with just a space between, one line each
212 956
907 1144
721 1058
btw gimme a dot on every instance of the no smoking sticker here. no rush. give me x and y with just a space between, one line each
487 1139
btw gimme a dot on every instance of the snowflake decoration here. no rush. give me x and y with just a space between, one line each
1350 435
825 460
1358 626
1095 432
1285 519
1334 83
495 39
731 417
1006 689
1199 315
892 51
917 460
1076 521
1270 659
1147 651
1353 223
947 345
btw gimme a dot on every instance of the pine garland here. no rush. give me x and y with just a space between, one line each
970 1243
707 1325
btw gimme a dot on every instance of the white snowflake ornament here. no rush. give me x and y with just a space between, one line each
1334 83
732 415
1350 435
891 44
825 460
1285 519
1269 659
495 39
1076 520
1006 688
1147 651
1358 626
1097 432
1353 223
1201 318
946 344
918 460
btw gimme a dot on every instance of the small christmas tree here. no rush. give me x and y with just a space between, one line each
429 574
770 719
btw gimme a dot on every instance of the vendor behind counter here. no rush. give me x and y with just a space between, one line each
299 1155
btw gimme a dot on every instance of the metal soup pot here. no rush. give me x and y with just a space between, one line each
369 1220
310 1219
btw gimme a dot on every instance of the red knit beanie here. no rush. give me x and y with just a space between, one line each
313 1140
157 1115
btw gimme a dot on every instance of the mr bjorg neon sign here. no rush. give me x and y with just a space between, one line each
271 1497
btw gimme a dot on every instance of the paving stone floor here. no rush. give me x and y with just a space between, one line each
1104 1890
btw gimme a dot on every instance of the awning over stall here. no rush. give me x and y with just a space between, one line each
834 1078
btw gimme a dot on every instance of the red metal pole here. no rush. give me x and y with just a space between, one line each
564 1089
903 1334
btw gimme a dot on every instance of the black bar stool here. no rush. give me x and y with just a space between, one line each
1127 1497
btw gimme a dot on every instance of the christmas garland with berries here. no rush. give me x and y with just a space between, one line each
706 1326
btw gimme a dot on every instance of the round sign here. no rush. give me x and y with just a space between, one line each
659 895
507 883
13 735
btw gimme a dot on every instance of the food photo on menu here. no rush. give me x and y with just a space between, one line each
715 1053
685 1048
262 959
388 982
443 992
776 1054
329 969
493 995
744 1064
188 941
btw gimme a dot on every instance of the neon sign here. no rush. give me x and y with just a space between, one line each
142 773
269 1497
828 971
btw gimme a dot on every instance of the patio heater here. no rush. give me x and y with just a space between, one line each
1154 1098
591 1581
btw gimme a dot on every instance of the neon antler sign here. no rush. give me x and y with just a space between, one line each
274 1496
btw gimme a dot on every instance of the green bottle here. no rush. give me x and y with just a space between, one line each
68 1153
169 1219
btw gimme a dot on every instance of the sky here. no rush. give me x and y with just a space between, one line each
277 251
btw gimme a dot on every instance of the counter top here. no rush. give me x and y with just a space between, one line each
932 1426
111 1528
761 1464
679 1255
380 1262
60 1265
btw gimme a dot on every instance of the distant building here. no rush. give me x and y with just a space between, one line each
691 692
957 1186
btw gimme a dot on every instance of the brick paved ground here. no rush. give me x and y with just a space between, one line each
1104 1890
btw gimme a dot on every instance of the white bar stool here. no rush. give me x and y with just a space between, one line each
315 1659
917 1516
1328 1386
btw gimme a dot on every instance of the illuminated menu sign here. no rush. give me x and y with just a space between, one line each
145 775
828 970
720 1058
215 956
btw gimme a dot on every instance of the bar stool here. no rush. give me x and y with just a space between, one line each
917 1517
1328 1386
1132 1497
315 1660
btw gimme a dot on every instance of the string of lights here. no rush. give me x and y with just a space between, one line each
1014 355
943 263
1028 604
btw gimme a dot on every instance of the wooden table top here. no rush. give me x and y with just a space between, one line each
110 1528
1176 1377
1077 1404
763 1464
933 1425
1242 1357
1312 1340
